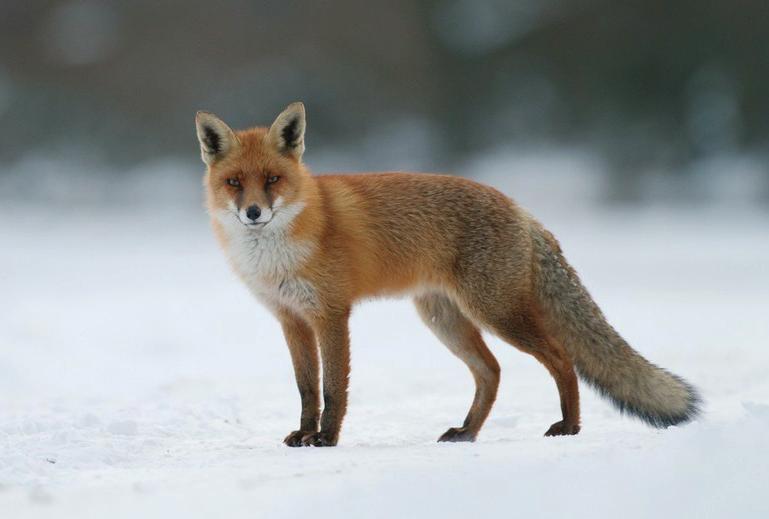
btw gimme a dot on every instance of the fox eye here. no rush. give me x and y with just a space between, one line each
233 182
273 179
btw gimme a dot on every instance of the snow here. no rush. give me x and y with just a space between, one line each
139 378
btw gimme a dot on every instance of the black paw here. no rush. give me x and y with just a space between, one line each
320 439
457 434
294 439
562 429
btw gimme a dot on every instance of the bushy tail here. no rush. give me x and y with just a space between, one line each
603 358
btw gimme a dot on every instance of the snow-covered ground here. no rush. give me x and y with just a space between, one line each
139 379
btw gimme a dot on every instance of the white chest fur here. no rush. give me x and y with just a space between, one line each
268 259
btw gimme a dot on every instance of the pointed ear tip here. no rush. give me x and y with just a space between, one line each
201 115
296 105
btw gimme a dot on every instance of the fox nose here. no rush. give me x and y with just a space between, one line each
253 212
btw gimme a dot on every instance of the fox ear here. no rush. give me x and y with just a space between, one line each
216 138
287 132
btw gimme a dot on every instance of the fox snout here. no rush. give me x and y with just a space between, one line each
254 215
253 212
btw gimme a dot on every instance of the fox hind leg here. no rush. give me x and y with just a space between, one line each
562 371
464 340
527 334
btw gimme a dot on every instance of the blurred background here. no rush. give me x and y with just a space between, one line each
135 368
634 102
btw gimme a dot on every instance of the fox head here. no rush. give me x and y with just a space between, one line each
254 178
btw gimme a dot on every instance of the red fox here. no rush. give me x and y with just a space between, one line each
310 247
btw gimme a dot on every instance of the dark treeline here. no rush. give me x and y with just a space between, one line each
646 81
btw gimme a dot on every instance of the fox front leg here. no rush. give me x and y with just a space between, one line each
334 339
303 346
